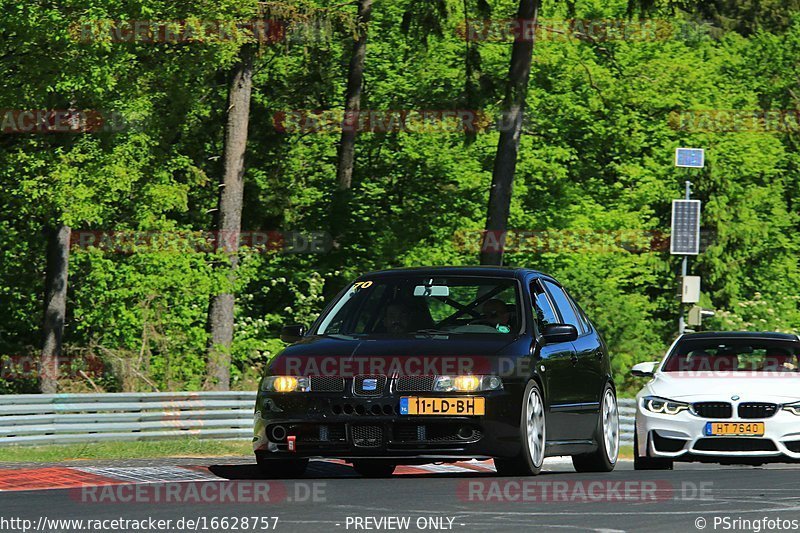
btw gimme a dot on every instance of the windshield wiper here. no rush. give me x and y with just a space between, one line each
433 331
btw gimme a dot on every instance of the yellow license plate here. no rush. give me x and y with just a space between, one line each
413 405
743 429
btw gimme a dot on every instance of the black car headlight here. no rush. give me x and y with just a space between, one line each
793 408
467 383
664 406
285 384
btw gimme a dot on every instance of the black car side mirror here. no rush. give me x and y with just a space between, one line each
554 333
292 333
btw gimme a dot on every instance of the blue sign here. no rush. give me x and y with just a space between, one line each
370 384
690 157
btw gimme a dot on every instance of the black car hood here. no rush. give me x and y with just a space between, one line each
317 355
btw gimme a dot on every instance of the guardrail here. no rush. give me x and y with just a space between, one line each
627 412
71 418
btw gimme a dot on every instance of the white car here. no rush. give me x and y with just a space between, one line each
720 397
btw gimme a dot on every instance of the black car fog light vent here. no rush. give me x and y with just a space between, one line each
666 444
793 445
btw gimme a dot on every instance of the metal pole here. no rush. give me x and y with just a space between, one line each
684 270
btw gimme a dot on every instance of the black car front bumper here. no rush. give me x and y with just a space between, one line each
341 425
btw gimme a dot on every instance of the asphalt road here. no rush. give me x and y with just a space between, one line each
333 498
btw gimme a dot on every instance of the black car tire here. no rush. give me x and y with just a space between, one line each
598 460
523 464
281 468
648 463
374 468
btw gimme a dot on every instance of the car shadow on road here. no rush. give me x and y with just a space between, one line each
252 471
326 470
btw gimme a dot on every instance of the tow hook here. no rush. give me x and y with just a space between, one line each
292 445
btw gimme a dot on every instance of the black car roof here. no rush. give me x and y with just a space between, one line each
496 271
741 335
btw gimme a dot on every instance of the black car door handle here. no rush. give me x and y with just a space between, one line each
574 359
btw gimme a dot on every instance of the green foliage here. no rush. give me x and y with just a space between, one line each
595 159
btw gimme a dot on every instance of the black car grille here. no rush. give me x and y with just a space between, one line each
333 433
713 409
360 381
367 436
757 410
736 444
327 384
364 409
414 383
436 433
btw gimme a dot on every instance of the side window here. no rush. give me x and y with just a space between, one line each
564 306
585 325
542 309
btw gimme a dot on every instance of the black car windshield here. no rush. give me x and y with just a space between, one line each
426 306
734 355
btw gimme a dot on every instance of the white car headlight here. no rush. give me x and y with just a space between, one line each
285 384
793 408
663 405
467 383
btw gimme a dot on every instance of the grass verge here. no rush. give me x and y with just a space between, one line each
144 450
125 450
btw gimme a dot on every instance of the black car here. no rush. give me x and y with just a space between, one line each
441 364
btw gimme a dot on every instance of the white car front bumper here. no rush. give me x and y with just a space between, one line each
676 436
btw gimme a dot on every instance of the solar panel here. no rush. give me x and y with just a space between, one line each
690 157
685 238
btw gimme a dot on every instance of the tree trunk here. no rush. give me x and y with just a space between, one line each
352 107
55 305
505 162
230 218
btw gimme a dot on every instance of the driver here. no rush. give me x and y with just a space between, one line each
396 319
495 313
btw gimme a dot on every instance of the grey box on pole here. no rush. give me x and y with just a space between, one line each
691 290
